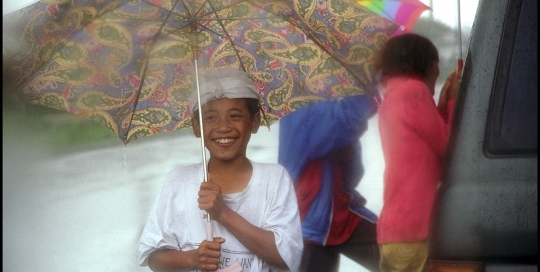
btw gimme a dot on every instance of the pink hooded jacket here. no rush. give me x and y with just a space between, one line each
414 136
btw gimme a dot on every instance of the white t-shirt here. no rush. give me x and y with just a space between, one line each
268 202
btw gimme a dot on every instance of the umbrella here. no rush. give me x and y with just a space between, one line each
130 65
403 12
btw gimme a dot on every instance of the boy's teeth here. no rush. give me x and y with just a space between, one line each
224 141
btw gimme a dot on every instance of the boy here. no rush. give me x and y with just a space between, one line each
253 205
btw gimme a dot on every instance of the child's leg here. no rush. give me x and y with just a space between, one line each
362 246
319 258
404 256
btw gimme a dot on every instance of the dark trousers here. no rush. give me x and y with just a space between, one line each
361 247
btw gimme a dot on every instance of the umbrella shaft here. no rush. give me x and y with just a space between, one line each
203 152
459 29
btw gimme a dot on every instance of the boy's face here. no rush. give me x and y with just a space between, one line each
227 128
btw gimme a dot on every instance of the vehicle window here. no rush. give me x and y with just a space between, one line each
512 127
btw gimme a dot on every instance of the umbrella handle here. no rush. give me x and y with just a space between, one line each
460 58
209 231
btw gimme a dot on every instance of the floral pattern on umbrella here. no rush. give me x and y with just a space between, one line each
128 65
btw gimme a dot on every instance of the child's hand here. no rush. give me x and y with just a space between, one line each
208 254
211 200
452 83
450 89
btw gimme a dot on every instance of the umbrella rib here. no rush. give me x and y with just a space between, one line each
214 10
199 20
171 11
165 33
143 72
190 16
198 11
220 22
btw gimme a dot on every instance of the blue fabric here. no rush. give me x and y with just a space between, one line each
313 132
313 228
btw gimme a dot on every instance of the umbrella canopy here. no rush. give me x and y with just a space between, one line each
128 65
403 12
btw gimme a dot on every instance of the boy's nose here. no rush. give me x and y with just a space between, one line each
223 124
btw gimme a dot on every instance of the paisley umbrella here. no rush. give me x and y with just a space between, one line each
128 65
131 65
403 12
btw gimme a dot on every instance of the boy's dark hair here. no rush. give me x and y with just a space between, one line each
407 54
253 106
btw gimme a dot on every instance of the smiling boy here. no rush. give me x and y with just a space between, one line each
253 205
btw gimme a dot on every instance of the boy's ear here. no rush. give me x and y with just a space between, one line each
256 122
196 127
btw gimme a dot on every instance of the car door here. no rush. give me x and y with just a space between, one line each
486 217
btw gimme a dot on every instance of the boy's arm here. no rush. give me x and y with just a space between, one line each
339 123
205 258
261 242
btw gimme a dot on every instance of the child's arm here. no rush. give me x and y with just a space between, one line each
205 258
259 241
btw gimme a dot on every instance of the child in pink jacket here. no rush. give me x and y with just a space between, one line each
414 133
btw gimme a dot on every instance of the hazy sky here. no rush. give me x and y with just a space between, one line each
444 10
447 10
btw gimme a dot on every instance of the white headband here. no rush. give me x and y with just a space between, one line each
222 83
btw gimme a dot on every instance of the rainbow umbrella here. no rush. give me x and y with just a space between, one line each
403 12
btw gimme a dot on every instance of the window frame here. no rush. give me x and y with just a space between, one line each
495 144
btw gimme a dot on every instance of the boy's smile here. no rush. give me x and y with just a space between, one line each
224 141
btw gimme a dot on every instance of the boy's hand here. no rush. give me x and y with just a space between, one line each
211 200
208 254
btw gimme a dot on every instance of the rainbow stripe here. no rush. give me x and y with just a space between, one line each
403 12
